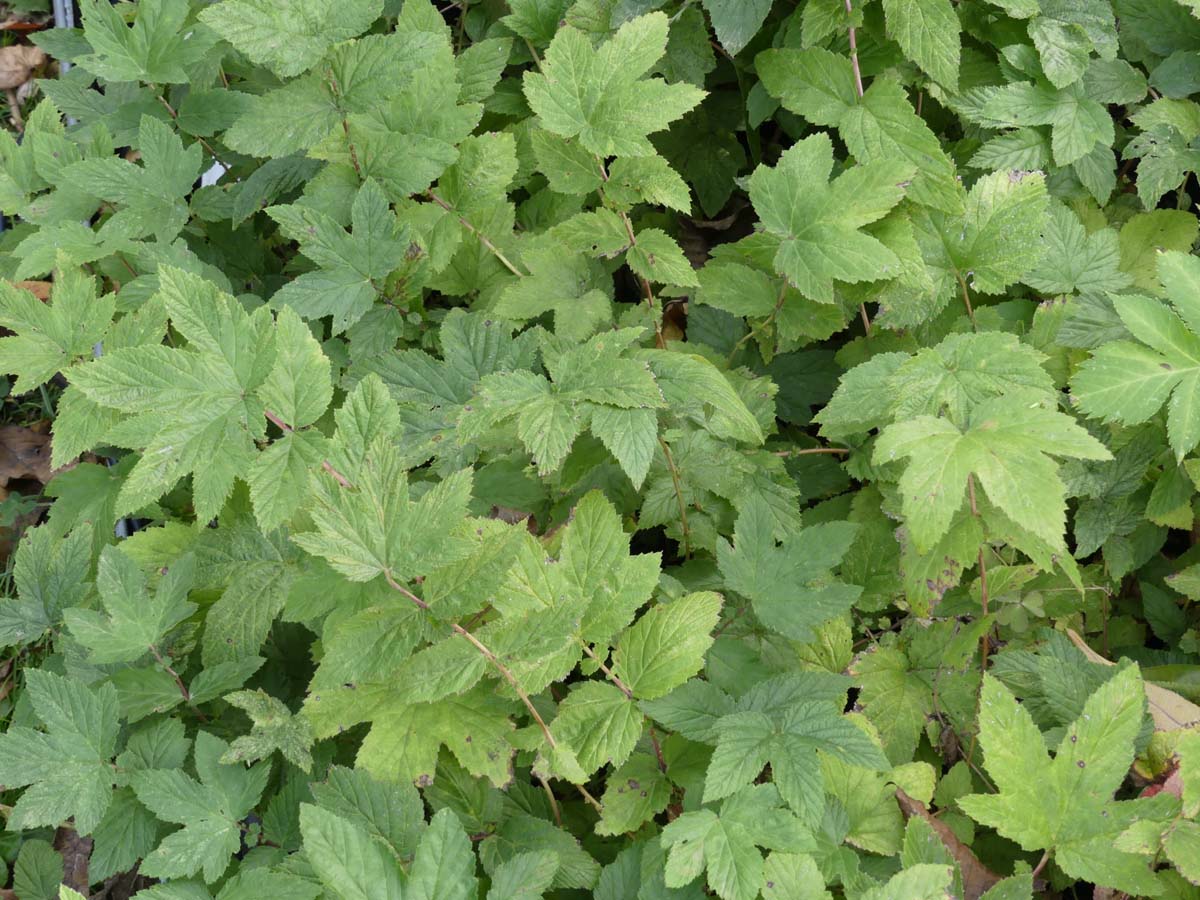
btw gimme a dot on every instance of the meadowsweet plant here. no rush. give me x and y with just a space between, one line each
630 449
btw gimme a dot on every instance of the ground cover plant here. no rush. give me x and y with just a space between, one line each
606 448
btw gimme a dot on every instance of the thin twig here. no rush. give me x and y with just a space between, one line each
498 666
983 584
203 143
967 299
810 451
758 329
187 697
658 754
858 85
337 92
325 464
537 60
478 234
1041 864
659 340
858 90
553 802
683 522
983 641
608 673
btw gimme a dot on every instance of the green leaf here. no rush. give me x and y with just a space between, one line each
631 436
291 36
390 811
817 222
444 867
298 388
254 572
50 336
535 20
275 728
210 811
353 265
133 623
38 871
156 49
1065 803
51 574
68 767
1077 122
790 585
150 196
375 528
747 741
646 179
189 410
600 96
349 864
928 33
635 792
666 646
1076 261
736 21
1006 444
925 881
599 724
526 876
882 125
404 740
726 842
1129 382
656 257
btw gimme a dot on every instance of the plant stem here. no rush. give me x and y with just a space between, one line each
983 584
858 85
683 522
1041 864
851 32
337 93
608 673
553 802
187 697
658 754
325 464
497 665
659 340
175 675
505 261
810 451
761 325
203 143
967 299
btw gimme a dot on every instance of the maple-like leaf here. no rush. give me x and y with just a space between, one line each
150 196
353 265
789 585
210 810
747 741
600 96
68 767
1129 381
133 623
288 36
1007 444
725 842
1066 803
49 337
817 223
157 48
189 411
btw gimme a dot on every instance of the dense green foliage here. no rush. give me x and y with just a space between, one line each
608 448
